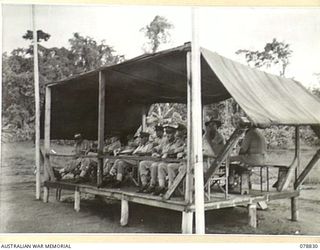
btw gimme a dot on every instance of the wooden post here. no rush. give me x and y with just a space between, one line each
298 151
189 176
196 121
37 104
101 121
144 119
77 199
45 194
48 171
252 211
294 209
187 222
124 212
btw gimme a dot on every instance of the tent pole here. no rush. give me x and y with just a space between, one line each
294 200
37 104
196 121
188 191
101 120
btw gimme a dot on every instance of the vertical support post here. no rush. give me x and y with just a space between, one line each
252 211
48 171
187 222
101 121
227 178
196 121
124 212
298 151
77 199
144 119
37 104
45 194
294 209
189 179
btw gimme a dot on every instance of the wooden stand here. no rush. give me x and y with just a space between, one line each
124 212
58 194
45 194
187 222
294 209
77 200
252 211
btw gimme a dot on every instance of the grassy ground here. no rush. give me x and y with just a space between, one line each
21 212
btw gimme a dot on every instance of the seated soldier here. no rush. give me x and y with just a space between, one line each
118 168
112 147
81 148
252 152
213 143
151 167
88 167
178 151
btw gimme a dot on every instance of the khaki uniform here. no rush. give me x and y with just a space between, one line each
178 147
80 148
120 165
253 148
152 166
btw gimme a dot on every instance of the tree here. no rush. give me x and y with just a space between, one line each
54 64
87 54
157 32
274 53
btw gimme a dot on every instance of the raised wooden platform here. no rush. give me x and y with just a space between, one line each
129 194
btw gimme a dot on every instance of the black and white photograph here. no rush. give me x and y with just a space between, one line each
154 119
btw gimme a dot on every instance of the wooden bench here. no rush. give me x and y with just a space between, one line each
245 173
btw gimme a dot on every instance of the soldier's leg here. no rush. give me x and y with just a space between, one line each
173 169
162 174
113 169
143 171
154 173
121 165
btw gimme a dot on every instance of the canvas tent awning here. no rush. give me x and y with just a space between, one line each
162 77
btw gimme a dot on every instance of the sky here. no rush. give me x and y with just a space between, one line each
221 29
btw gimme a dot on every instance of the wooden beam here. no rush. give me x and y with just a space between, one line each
307 170
252 212
196 121
37 104
175 184
189 177
224 153
101 122
124 212
187 222
77 198
294 165
48 171
294 209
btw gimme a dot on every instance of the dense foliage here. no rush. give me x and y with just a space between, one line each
83 55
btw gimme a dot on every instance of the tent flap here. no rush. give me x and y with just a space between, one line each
265 98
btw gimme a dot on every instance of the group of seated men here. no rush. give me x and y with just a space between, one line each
158 173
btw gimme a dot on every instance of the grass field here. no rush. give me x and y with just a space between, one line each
20 212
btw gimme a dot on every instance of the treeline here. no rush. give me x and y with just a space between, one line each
83 54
